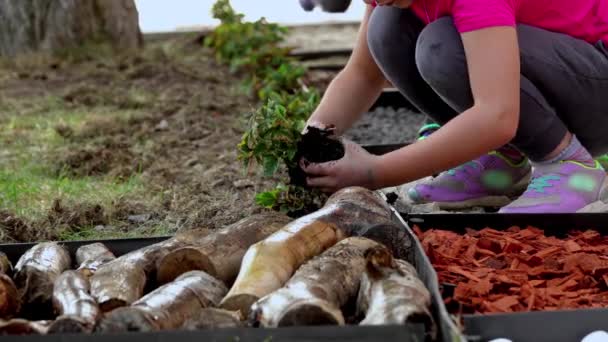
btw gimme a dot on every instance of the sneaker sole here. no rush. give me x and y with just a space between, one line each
603 194
491 201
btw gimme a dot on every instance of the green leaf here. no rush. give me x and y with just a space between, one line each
266 199
271 164
300 125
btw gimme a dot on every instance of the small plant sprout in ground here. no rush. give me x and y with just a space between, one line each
271 140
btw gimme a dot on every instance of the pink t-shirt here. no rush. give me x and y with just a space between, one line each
583 19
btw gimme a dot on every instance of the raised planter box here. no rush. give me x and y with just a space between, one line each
411 332
566 325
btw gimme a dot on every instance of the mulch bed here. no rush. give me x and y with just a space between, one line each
519 269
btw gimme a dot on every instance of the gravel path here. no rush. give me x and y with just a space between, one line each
386 126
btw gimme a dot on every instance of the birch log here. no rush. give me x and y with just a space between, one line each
268 264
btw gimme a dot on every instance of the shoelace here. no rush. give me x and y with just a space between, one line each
539 184
472 164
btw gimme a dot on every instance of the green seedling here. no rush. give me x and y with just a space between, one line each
290 199
274 130
270 141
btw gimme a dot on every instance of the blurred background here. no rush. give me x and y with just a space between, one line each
159 16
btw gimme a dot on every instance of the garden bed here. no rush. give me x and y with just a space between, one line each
505 279
123 246
407 332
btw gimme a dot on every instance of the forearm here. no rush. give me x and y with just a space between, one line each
452 145
355 88
347 97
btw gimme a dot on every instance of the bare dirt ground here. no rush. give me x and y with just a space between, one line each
149 140
187 120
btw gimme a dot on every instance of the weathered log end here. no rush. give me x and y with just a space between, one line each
392 294
393 237
6 267
311 313
10 301
240 302
35 275
379 262
181 261
86 272
93 251
365 198
212 318
127 319
117 284
69 325
91 257
36 291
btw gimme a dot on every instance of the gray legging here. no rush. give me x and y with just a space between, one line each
564 80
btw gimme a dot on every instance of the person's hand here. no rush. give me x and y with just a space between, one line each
356 168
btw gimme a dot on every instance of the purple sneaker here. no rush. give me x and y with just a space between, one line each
564 187
489 181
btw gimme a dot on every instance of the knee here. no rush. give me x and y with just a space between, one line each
440 53
382 33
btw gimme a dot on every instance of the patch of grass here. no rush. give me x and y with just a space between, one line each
30 190
12 107
31 141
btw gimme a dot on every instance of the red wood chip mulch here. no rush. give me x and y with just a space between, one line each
520 269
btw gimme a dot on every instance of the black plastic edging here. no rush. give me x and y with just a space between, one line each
448 329
553 224
296 334
540 326
117 246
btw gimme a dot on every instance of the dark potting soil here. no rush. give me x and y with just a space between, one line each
386 126
316 146
381 126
